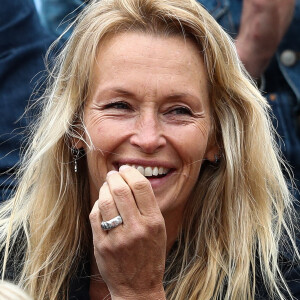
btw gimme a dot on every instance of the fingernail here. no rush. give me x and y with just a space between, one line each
110 173
123 167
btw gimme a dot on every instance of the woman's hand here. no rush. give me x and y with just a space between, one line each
130 257
263 25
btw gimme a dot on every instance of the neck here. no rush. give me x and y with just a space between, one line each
172 231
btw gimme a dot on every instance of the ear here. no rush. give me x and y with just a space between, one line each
212 152
213 148
77 140
77 143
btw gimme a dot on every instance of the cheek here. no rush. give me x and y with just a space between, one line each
101 144
103 137
97 169
104 132
192 146
100 137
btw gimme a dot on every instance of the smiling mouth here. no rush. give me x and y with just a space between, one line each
151 172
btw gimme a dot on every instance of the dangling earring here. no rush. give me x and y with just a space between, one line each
75 165
75 153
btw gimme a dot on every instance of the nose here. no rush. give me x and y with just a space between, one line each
148 134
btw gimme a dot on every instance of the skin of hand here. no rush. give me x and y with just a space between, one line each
130 257
263 25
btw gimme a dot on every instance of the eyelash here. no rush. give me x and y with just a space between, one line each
117 105
180 110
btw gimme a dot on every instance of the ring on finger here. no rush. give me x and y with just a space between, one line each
113 223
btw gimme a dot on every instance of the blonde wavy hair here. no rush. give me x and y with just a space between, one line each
234 222
9 291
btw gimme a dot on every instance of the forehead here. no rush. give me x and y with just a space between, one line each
134 46
144 60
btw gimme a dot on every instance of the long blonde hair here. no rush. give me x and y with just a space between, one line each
9 291
233 223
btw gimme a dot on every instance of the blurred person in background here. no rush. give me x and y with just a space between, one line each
23 44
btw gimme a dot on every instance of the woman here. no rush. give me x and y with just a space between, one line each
151 87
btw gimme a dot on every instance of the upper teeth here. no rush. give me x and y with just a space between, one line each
151 171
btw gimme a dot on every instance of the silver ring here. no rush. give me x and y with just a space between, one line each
113 223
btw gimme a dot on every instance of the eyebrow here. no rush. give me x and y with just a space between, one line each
114 91
179 96
121 91
174 96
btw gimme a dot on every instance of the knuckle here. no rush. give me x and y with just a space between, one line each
97 244
112 247
141 185
120 244
147 230
156 226
105 204
102 248
122 192
137 236
93 217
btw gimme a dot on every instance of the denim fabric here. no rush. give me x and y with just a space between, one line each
282 83
23 44
291 41
56 15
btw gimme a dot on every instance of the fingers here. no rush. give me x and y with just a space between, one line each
132 255
106 203
95 220
141 189
127 193
122 196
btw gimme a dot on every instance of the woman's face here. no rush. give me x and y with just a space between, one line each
149 108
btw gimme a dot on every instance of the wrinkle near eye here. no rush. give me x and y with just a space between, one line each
203 127
95 119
